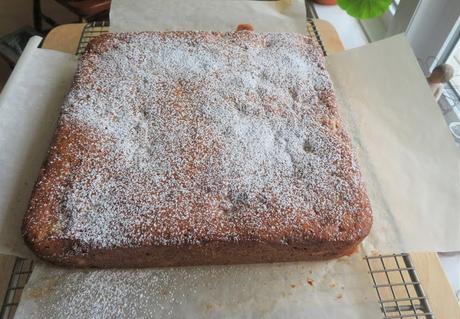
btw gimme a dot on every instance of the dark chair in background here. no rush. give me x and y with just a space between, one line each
12 44
86 10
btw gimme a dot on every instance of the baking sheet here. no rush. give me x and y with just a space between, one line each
29 105
207 15
338 288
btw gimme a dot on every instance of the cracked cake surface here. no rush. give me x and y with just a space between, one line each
187 148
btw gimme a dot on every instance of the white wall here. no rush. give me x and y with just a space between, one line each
430 27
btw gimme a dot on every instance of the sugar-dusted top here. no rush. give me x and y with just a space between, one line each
173 138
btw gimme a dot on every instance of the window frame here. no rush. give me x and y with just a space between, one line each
446 52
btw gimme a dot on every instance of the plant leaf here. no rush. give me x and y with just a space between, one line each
364 9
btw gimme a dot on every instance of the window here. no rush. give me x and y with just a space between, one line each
450 54
393 6
450 102
454 60
399 16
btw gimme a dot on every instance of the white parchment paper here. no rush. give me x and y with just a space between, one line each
207 15
408 157
29 106
333 289
338 288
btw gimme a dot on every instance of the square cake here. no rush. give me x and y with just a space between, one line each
192 148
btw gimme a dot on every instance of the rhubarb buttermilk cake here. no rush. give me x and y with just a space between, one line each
190 148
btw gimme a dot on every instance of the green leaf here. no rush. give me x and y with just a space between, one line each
364 9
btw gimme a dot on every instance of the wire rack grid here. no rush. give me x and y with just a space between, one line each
19 277
398 287
90 31
313 32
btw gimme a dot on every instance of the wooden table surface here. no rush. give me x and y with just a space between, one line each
64 38
434 281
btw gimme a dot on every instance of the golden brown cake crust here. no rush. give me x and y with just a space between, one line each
188 148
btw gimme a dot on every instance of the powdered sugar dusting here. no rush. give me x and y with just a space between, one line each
196 136
249 291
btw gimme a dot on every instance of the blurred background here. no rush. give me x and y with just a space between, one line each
20 19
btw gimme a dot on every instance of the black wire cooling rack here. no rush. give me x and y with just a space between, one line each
90 31
398 288
19 277
399 291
